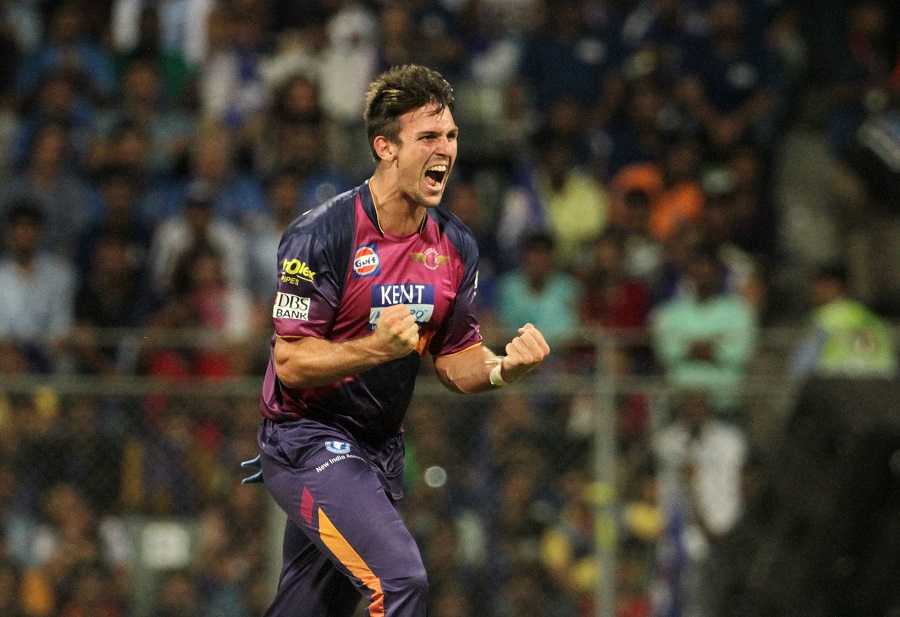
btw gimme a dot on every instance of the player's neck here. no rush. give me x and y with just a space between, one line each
397 214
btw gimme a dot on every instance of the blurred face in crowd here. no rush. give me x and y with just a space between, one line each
868 19
111 260
131 148
466 204
65 27
703 271
179 596
212 157
824 290
57 96
557 159
49 148
727 18
23 235
141 83
694 411
283 196
300 100
607 255
538 262
119 194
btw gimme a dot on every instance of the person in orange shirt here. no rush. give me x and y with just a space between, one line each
675 194
681 199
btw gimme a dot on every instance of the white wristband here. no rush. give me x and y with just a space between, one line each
496 378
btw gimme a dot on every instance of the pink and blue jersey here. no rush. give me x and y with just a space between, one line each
338 270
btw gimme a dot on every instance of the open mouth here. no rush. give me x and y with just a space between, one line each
435 175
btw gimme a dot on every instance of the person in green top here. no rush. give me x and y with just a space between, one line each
848 338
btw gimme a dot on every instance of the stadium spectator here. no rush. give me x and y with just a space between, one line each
67 49
50 181
552 195
38 288
142 104
237 194
69 538
704 338
848 339
681 199
11 589
635 131
301 149
539 293
157 469
93 594
467 201
568 548
700 462
184 27
178 595
655 36
611 298
566 56
729 80
120 209
145 45
231 87
197 225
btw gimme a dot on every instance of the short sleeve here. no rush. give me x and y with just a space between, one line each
308 289
460 329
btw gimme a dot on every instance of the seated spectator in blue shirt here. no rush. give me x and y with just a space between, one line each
539 293
705 338
68 49
119 203
567 57
729 79
142 104
50 182
655 34
55 102
858 72
236 195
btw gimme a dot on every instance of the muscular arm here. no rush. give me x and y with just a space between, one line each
309 362
469 372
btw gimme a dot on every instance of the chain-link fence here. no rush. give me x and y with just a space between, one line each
551 497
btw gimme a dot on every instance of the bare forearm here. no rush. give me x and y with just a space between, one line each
478 369
467 372
311 362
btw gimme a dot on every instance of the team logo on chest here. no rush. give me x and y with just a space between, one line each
430 258
365 261
418 298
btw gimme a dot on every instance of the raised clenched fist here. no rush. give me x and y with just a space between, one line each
396 331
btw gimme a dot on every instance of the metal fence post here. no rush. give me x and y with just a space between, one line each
604 455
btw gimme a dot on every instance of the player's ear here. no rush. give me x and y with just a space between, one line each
385 148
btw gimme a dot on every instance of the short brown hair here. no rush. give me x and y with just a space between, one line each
399 90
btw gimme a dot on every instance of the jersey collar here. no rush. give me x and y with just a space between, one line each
368 203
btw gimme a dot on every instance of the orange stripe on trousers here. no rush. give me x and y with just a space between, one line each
338 545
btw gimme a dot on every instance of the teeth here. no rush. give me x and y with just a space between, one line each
438 168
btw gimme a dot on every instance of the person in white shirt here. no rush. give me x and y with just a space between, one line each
701 460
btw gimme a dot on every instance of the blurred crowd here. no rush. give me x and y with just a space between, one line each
620 166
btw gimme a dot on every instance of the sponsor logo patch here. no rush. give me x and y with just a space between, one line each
289 306
419 298
338 447
365 260
294 271
430 258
